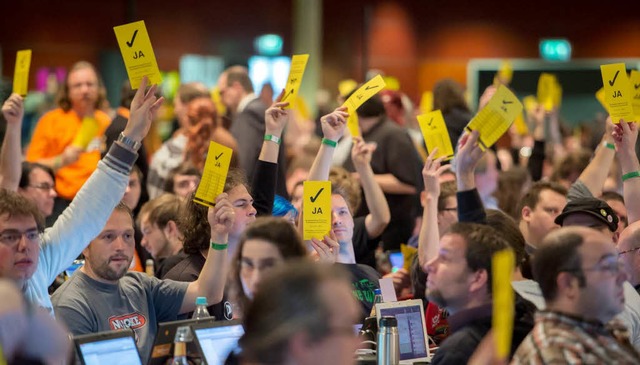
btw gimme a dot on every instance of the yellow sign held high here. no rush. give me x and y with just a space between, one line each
618 91
214 175
634 78
137 53
426 102
364 93
317 209
298 65
435 134
549 91
504 74
353 126
496 117
502 266
21 72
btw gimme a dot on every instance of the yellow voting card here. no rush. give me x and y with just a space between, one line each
504 74
530 103
88 131
408 253
353 126
347 86
617 91
435 134
214 175
502 266
521 125
21 72
137 53
547 93
601 99
426 102
391 83
317 209
496 117
298 65
634 78
364 93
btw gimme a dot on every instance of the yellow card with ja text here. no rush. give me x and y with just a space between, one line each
364 93
298 65
88 131
317 209
634 78
214 175
502 266
496 117
137 53
617 91
21 72
435 134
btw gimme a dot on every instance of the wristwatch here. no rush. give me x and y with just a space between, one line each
134 145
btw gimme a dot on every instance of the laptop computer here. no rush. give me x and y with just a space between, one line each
412 329
162 348
106 348
215 341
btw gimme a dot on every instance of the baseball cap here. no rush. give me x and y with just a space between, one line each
592 206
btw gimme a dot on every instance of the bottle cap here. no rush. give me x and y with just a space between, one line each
201 301
148 262
377 292
388 322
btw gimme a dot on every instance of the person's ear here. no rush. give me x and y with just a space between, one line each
170 229
568 285
526 213
615 237
479 279
299 347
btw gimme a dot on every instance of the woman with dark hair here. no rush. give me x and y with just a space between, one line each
38 184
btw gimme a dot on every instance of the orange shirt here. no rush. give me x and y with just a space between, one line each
54 132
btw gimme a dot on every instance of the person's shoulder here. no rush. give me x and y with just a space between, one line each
102 116
186 270
70 291
53 115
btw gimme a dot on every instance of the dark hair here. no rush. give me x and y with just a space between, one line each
482 242
447 95
418 280
447 189
510 190
122 207
276 231
15 205
239 74
507 227
558 253
571 165
161 210
191 91
184 168
612 195
63 98
126 95
532 196
193 221
288 301
27 167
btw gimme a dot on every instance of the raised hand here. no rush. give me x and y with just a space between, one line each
326 250
431 173
13 109
467 158
143 107
221 218
334 123
625 136
361 152
276 117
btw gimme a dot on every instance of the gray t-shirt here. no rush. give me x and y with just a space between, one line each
137 301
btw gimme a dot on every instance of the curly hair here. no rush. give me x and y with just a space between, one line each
63 97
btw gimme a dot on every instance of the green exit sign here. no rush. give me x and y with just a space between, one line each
268 45
555 49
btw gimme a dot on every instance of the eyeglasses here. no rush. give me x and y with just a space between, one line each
611 267
43 186
627 251
11 237
454 209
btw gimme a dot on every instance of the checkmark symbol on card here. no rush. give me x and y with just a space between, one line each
220 155
133 38
611 82
314 198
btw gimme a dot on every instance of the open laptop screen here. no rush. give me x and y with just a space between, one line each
411 330
217 342
110 351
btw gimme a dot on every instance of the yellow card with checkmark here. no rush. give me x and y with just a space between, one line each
634 79
496 117
21 72
137 53
435 134
617 91
364 93
316 207
214 175
547 93
298 65
502 266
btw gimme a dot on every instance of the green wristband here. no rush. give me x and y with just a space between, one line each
329 142
272 138
219 246
610 145
630 175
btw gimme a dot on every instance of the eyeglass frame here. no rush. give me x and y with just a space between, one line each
37 238
627 251
43 186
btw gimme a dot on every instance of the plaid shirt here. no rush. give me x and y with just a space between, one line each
559 338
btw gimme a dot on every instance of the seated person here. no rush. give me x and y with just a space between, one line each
38 183
283 208
183 180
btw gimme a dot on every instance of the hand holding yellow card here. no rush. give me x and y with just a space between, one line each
137 53
298 65
88 131
435 134
214 175
21 72
364 93
316 207
503 264
617 92
496 117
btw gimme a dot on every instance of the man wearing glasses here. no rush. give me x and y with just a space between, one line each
37 183
582 284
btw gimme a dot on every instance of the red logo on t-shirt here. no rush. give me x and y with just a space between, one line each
132 320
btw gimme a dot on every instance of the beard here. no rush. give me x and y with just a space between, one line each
106 272
436 297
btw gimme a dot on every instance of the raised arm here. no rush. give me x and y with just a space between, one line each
625 136
333 125
536 160
11 154
210 283
379 215
597 170
429 235
470 208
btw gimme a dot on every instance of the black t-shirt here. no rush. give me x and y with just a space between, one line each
165 265
189 270
364 246
364 280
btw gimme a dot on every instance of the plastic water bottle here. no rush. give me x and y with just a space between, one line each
377 299
149 268
201 309
388 342
183 335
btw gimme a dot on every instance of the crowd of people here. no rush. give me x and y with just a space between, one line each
561 203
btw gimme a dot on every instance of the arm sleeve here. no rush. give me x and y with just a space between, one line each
167 297
578 190
536 160
263 187
470 208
